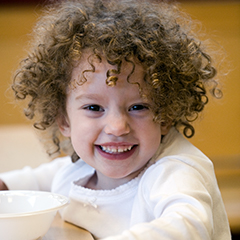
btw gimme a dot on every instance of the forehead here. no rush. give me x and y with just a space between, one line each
91 67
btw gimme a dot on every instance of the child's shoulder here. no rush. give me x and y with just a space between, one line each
71 172
78 168
178 159
175 144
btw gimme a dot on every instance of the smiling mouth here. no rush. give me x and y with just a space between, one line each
116 150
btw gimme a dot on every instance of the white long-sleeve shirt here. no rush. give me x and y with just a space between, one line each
175 197
39 178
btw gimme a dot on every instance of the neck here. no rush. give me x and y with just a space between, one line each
101 182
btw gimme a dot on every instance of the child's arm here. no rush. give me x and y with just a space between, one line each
27 178
185 202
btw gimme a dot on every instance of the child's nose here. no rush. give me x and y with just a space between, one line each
117 125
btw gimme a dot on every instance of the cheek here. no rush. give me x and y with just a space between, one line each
81 144
152 136
83 134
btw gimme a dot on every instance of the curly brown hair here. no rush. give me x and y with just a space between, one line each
177 69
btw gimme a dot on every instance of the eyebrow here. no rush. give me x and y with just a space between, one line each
87 96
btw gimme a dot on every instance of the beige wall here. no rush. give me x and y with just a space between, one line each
15 25
217 134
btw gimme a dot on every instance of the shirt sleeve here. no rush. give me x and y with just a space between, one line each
39 178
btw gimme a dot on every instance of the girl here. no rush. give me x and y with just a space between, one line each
113 83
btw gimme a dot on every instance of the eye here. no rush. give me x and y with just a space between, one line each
94 108
138 107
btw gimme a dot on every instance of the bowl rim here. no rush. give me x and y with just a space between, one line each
63 200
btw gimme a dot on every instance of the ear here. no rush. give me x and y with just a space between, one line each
64 126
165 127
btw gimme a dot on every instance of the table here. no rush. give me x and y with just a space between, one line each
61 230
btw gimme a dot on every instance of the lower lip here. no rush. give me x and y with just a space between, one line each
116 156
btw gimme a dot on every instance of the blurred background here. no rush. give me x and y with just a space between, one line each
217 131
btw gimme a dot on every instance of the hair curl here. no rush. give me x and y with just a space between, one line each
157 34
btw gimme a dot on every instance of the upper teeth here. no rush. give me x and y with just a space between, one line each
119 149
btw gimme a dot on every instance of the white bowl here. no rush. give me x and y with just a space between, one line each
27 215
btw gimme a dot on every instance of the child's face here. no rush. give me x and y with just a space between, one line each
111 128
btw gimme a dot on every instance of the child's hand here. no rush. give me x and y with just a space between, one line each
3 185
